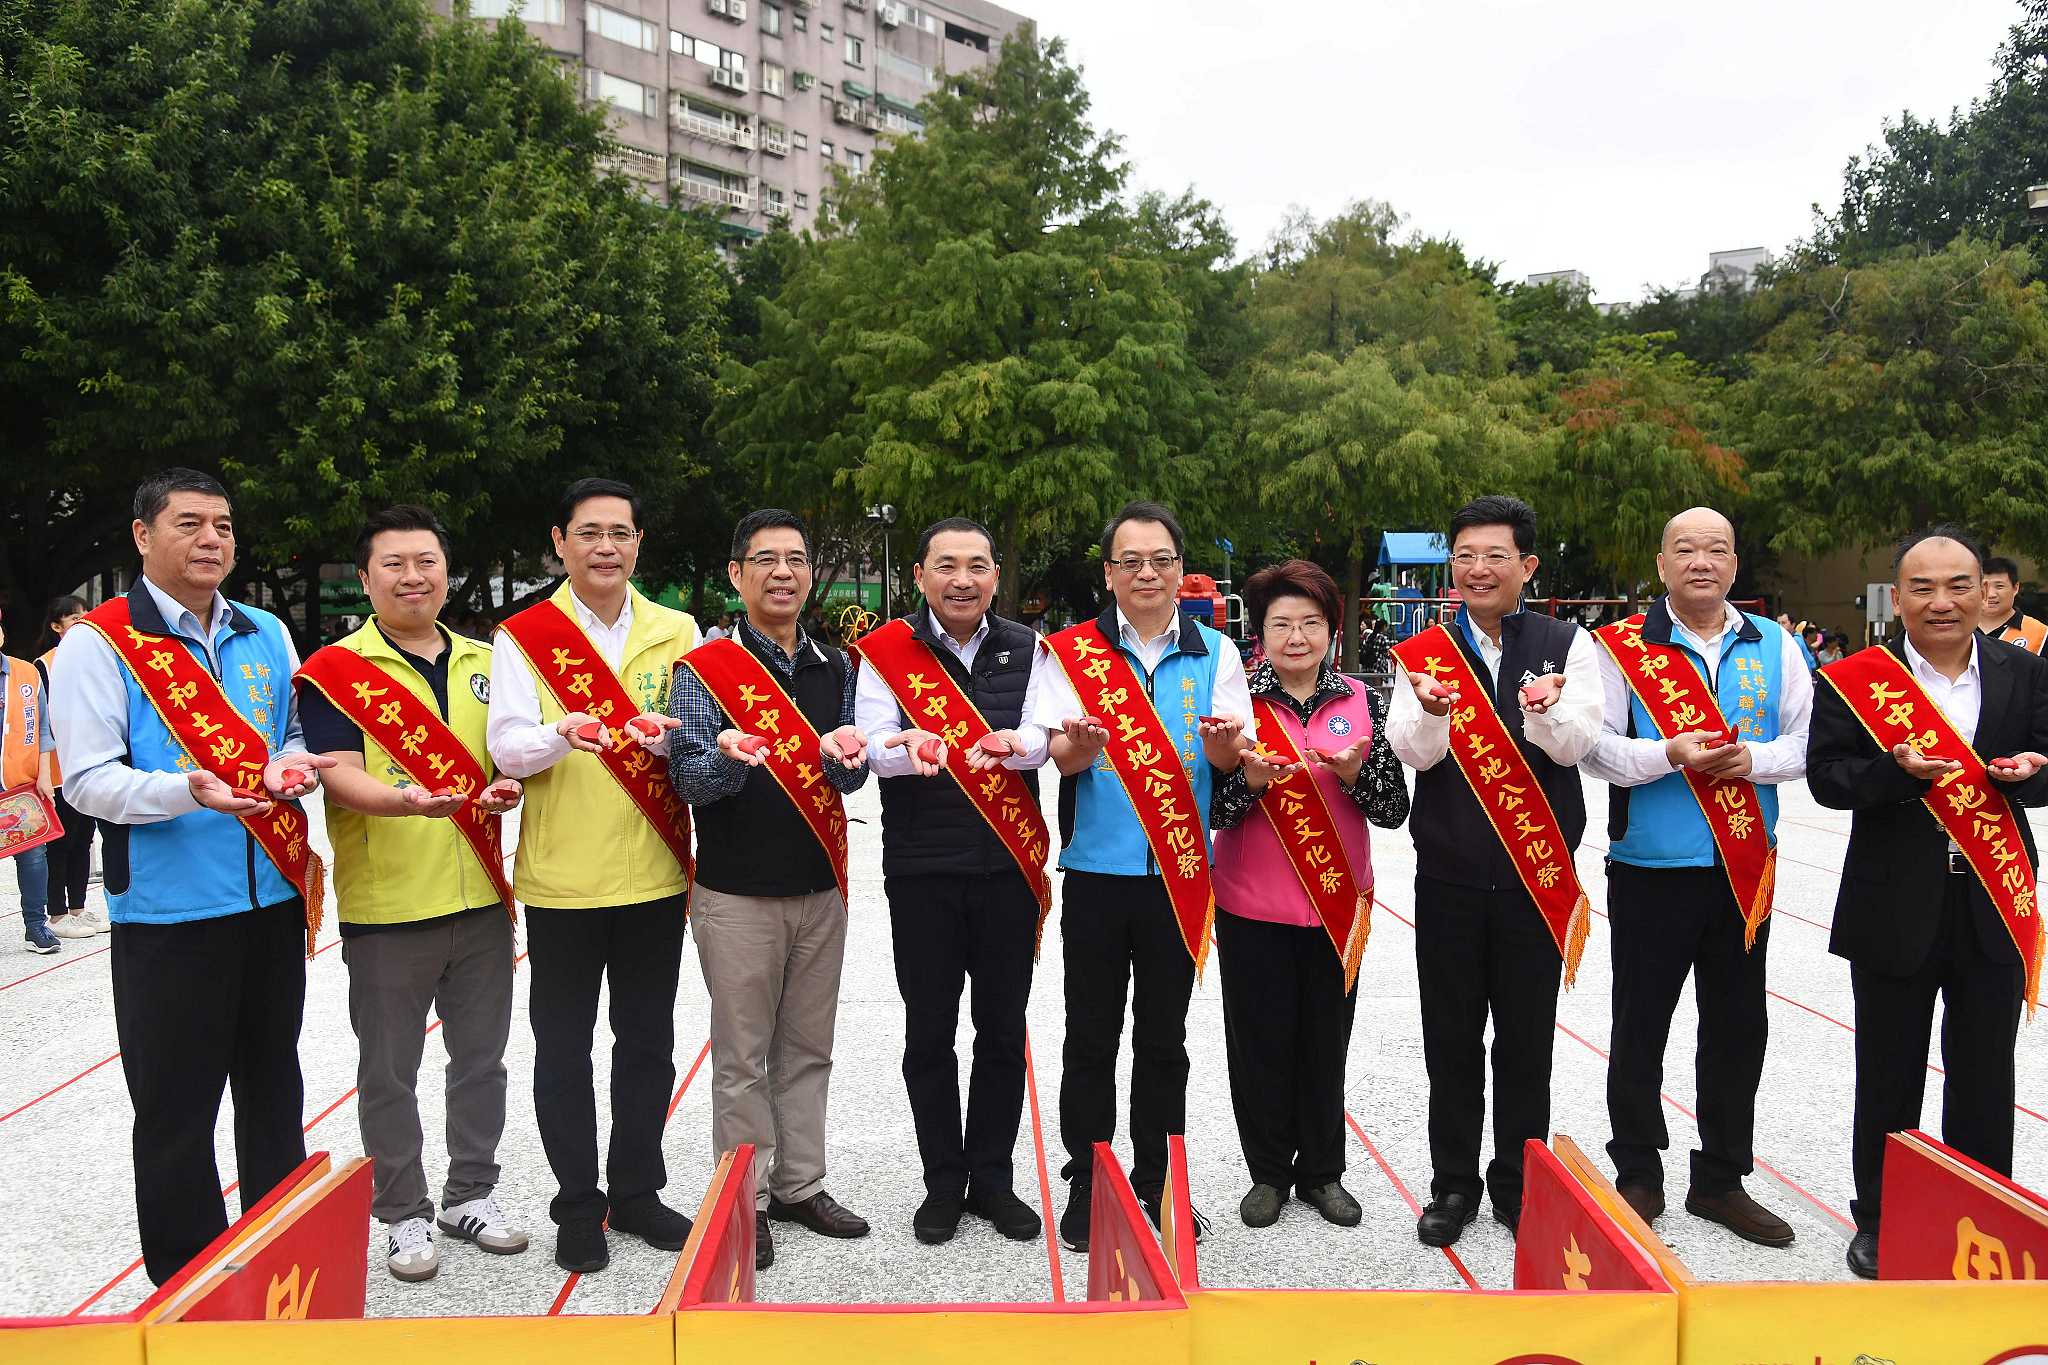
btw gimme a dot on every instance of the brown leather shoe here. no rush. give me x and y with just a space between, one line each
1741 1215
822 1214
1647 1200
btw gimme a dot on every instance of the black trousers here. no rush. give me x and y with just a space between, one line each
1119 934
200 1006
1670 921
572 953
1478 952
946 929
70 858
1980 1020
1286 1029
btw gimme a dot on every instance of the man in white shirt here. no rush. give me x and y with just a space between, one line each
1669 899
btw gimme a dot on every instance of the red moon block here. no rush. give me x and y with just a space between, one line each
928 751
1270 756
1212 720
1721 740
1318 755
996 745
753 744
292 777
644 725
1531 693
1095 721
591 730
2005 764
444 791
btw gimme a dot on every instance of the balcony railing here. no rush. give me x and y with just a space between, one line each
714 130
719 196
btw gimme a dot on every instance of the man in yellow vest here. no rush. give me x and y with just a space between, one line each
26 745
579 695
418 875
2001 617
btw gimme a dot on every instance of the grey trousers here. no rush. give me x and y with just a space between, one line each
771 966
461 967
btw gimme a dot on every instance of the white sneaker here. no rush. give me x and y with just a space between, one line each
412 1256
481 1221
71 926
95 919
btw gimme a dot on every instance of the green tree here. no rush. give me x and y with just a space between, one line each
1551 326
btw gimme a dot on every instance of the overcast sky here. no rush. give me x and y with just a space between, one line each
1624 138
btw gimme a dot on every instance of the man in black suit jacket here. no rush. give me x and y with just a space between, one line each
1912 918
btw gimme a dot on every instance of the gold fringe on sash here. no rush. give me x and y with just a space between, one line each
1576 931
1044 909
1759 910
2032 989
1354 946
1208 929
316 896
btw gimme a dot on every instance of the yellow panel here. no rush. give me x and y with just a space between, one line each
1398 1327
443 1341
97 1343
1902 1321
1107 1337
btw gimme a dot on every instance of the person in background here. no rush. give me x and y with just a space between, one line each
2002 618
25 760
70 856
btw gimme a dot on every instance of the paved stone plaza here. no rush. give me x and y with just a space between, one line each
65 1125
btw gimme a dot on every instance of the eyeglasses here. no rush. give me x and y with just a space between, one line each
1132 565
766 561
591 535
1492 559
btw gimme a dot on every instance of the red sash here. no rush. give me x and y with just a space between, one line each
218 740
1499 774
935 701
418 741
754 700
1301 820
1141 753
564 659
1670 687
1883 694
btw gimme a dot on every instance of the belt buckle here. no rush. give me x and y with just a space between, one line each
1958 863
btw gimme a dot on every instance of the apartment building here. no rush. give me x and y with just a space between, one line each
747 106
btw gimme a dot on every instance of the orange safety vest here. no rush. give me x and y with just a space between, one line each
43 661
21 750
2026 632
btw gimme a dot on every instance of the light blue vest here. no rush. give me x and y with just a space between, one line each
1665 827
1107 836
204 864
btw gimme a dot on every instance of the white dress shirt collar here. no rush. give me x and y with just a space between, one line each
181 619
1927 673
592 621
1731 619
1126 631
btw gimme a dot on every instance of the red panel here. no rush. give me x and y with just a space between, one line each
1566 1240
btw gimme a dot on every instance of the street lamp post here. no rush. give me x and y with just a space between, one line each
885 515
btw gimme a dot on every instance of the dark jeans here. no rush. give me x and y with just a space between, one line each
70 859
1118 934
1478 952
199 1006
1668 922
946 929
1980 1020
1286 1029
572 953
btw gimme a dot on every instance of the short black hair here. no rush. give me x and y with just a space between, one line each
1941 531
1292 578
581 491
153 494
406 516
945 524
2000 564
1496 509
1143 511
766 519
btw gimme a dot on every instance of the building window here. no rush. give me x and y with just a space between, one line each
771 78
531 11
775 200
825 33
800 21
799 139
621 28
621 93
825 148
857 160
803 201
771 18
853 50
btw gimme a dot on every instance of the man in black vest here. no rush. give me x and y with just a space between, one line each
770 922
1912 918
959 905
1480 942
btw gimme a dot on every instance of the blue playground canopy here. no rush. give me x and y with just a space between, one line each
1403 548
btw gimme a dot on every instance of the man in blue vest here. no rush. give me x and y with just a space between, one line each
1668 895
209 938
1117 925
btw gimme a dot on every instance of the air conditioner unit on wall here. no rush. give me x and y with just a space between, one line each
889 15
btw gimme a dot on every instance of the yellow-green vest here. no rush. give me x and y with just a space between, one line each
399 869
582 841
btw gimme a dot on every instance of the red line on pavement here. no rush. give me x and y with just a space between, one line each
576 1276
55 1088
1407 1197
1052 1241
59 967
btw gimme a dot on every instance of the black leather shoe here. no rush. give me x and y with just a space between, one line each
1074 1221
764 1242
1011 1216
822 1214
1260 1207
580 1247
652 1221
1741 1215
936 1219
1863 1254
1646 1199
1334 1202
1511 1219
1445 1218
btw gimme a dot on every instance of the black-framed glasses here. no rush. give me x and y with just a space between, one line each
1132 565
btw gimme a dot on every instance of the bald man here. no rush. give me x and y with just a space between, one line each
1669 896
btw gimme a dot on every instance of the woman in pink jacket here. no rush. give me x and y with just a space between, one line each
1286 1007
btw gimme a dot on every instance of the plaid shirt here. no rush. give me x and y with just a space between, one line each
703 775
